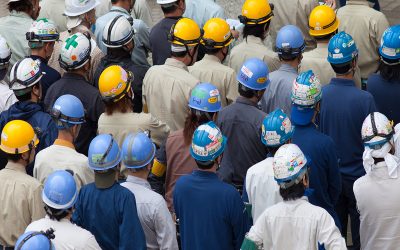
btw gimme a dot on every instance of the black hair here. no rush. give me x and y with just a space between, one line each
169 8
272 150
205 164
390 73
246 92
13 157
342 68
211 51
258 30
56 214
325 37
194 119
117 52
20 6
293 193
179 54
289 57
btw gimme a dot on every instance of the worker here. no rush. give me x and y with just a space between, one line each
166 88
25 77
141 10
104 207
69 114
293 223
35 240
14 26
76 60
241 123
290 46
18 142
324 176
80 19
59 196
159 42
118 37
173 158
293 12
379 220
202 11
119 118
7 97
141 39
41 39
216 40
256 17
366 26
260 185
384 85
343 99
138 152
210 212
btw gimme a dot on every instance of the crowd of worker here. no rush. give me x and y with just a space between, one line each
273 131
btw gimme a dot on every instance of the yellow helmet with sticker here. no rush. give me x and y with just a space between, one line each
114 83
322 21
256 12
217 33
185 32
18 137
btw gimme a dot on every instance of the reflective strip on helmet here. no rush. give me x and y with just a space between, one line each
249 21
158 168
324 27
213 44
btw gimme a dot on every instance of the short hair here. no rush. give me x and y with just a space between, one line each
258 30
169 8
124 106
13 157
56 214
292 193
326 37
205 164
390 73
212 51
246 92
21 6
342 68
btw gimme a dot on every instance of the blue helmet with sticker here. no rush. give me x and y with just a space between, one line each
67 111
207 143
137 150
254 74
104 153
205 97
390 43
290 41
60 190
342 49
276 129
35 241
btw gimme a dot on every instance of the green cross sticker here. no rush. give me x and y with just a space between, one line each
71 42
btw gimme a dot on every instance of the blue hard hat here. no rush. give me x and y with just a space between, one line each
138 150
207 143
254 74
34 241
205 97
60 190
341 49
68 110
290 41
390 43
276 129
104 152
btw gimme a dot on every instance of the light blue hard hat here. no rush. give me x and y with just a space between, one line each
137 150
254 74
205 97
390 43
35 241
68 110
290 41
276 129
104 153
207 143
342 49
60 190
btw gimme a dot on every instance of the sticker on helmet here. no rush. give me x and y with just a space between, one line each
261 80
286 125
272 137
214 92
246 71
97 158
199 93
213 100
4 136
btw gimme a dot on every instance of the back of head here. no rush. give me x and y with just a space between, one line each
41 31
24 75
290 43
323 22
342 52
20 5
253 77
68 111
276 129
389 51
138 151
217 35
36 240
75 51
256 16
184 36
168 6
5 53
118 32
104 153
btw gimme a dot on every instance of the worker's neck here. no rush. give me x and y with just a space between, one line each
65 136
349 76
185 59
211 170
81 72
142 174
39 52
294 63
120 4
176 13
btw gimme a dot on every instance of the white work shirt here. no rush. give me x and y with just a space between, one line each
7 96
154 216
296 225
62 156
378 202
68 236
210 69
261 187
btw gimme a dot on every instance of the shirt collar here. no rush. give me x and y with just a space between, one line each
61 142
16 167
205 174
119 9
287 68
211 58
41 59
357 2
139 181
246 101
20 14
71 75
343 82
254 39
176 63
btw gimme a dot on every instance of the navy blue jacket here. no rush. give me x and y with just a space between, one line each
110 215
324 175
50 77
210 212
386 95
344 108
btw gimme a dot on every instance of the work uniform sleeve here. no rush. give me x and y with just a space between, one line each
237 219
328 234
36 205
91 244
141 10
258 232
334 177
77 215
231 89
379 26
165 227
159 130
96 56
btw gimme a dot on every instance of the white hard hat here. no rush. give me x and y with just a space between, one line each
117 32
376 129
306 89
166 1
289 165
24 74
75 51
79 7
42 29
5 52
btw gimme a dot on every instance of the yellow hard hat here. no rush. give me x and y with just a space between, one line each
322 21
185 32
114 83
18 137
256 12
217 33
